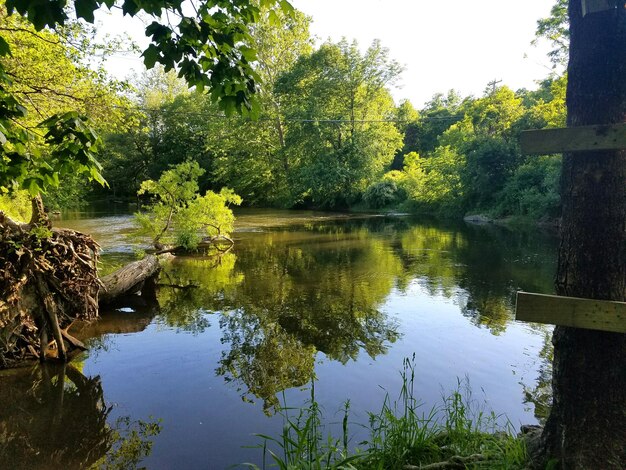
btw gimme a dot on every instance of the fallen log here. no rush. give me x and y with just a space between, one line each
128 280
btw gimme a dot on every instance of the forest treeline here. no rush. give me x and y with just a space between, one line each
328 134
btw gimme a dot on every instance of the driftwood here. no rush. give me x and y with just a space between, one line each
128 280
454 462
48 280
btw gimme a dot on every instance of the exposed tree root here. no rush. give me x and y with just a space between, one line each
48 279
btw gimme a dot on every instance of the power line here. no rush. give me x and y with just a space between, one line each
301 120
493 83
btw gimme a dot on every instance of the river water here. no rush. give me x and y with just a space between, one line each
338 301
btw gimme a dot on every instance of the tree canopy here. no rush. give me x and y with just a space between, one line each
212 48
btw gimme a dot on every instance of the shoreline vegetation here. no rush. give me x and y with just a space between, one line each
325 139
456 434
323 131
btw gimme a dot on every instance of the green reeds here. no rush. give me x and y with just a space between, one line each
302 443
456 434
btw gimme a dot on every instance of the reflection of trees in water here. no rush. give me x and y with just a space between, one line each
52 416
541 394
481 267
191 286
264 358
320 287
303 293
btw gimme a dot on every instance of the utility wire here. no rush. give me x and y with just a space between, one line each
284 119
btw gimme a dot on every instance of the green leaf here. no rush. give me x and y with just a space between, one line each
228 105
130 7
5 49
97 176
273 18
33 185
150 56
287 7
158 31
85 9
248 53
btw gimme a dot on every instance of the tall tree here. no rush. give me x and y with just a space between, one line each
251 154
586 428
555 28
337 102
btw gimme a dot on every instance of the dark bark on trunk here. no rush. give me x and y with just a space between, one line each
587 425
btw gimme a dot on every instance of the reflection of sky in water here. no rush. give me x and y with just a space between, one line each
366 292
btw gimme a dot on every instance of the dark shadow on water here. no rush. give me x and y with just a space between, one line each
53 416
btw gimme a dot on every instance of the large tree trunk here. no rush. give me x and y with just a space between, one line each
587 425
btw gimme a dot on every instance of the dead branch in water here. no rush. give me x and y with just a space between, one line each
48 280
129 279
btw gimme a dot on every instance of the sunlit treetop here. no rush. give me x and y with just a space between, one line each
207 41
555 29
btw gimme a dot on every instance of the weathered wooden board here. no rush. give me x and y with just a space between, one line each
574 139
570 311
594 6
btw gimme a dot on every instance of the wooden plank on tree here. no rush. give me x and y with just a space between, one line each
594 6
571 311
574 139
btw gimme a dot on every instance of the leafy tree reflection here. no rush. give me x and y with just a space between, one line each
320 288
317 290
540 395
52 416
480 267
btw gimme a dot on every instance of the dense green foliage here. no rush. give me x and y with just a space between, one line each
332 138
474 164
328 134
336 103
47 89
181 216
212 48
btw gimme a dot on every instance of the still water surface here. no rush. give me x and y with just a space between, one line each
337 299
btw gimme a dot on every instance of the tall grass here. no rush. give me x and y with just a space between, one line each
402 436
302 444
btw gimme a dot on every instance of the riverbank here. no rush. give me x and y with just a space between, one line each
343 298
456 434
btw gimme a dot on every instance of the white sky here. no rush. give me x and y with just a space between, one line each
442 44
